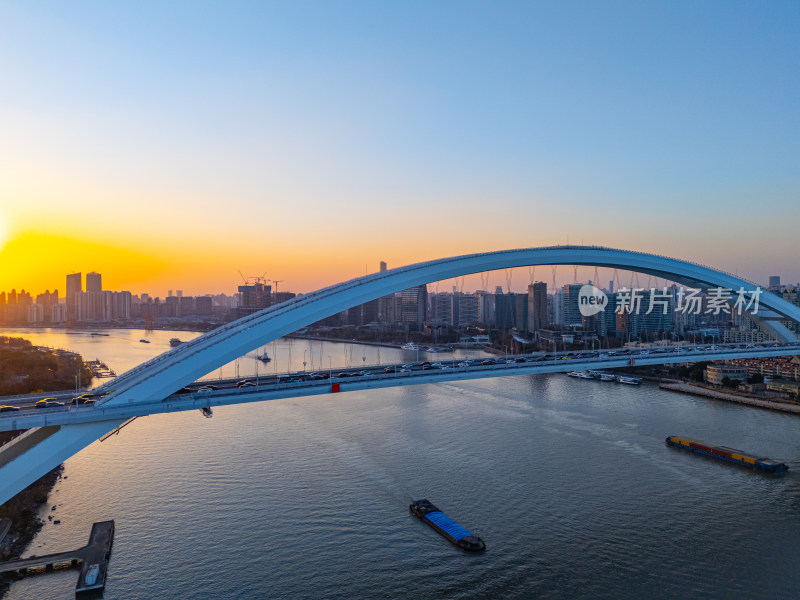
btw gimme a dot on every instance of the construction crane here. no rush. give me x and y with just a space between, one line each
276 282
253 280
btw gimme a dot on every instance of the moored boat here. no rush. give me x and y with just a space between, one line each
446 527
91 574
175 342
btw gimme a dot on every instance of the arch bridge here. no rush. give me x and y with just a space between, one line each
39 450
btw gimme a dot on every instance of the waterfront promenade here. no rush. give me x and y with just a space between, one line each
687 388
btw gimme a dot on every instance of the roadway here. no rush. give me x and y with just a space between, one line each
207 394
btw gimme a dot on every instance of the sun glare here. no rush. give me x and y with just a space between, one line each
3 232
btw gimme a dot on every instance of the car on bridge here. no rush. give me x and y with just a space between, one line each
48 403
7 408
83 399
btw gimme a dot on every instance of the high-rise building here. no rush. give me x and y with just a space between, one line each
253 298
204 305
610 315
35 313
572 311
521 312
74 287
537 306
58 313
414 306
486 304
505 310
121 305
774 283
187 304
442 307
383 266
468 310
173 306
369 312
555 307
94 282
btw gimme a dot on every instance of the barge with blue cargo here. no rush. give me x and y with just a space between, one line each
446 527
739 457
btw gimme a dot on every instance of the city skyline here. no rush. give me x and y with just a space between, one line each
312 139
520 278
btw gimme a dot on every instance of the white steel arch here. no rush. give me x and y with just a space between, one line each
163 375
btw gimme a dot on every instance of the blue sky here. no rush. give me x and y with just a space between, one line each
404 131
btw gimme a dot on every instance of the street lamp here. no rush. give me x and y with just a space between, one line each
330 367
304 360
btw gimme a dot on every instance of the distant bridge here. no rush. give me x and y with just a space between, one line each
152 382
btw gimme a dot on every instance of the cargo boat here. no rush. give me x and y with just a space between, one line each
724 453
445 526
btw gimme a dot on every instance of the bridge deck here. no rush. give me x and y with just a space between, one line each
271 391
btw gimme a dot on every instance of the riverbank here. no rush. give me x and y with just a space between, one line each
22 510
730 397
297 336
25 368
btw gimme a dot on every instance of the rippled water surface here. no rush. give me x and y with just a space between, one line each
568 481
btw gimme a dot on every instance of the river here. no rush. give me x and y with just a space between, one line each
569 482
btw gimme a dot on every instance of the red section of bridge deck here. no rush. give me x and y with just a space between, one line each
334 387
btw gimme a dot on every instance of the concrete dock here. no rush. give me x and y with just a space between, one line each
96 552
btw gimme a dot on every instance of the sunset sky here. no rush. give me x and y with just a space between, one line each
170 145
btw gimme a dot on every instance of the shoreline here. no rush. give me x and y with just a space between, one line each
28 523
694 390
296 336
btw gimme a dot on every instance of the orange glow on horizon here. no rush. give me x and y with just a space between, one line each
37 262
